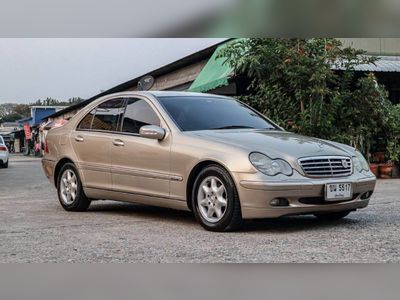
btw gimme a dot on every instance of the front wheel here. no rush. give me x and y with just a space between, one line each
215 200
70 191
333 216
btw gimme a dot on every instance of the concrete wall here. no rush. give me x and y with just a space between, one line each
176 78
375 46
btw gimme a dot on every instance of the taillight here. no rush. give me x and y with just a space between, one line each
3 148
46 147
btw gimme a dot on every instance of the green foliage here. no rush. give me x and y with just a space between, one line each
393 134
10 112
23 110
309 86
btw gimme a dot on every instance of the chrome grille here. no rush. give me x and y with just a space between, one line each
327 166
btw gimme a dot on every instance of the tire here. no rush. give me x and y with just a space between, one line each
220 209
5 165
332 216
71 187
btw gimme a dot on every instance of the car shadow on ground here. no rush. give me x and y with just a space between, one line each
279 225
295 223
144 211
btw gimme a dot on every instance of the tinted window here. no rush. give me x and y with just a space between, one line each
108 115
86 122
137 114
206 113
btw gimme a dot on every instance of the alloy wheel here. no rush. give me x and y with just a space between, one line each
212 199
68 187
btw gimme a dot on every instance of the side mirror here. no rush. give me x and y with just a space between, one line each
152 132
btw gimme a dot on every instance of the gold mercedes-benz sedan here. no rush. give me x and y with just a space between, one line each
209 154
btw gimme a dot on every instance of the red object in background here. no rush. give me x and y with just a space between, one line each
46 147
28 133
60 123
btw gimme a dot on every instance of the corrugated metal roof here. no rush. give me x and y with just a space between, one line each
383 64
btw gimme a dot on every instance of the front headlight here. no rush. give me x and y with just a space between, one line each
269 166
360 163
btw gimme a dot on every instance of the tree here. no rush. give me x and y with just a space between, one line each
54 102
23 109
309 86
10 112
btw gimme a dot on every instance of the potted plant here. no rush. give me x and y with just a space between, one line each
385 170
374 168
393 149
393 143
378 157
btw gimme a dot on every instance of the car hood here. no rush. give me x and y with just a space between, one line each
276 143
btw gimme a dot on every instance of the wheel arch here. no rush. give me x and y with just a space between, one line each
58 167
195 172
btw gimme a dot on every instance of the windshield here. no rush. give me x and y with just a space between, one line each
192 113
1 140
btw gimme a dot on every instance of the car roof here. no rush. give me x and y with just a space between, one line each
177 94
158 94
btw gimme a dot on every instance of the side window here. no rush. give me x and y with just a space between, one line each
137 114
108 115
86 122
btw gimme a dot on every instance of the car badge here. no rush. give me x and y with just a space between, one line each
345 163
321 147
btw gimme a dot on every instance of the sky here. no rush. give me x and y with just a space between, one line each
32 69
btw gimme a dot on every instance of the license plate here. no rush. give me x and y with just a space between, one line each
338 191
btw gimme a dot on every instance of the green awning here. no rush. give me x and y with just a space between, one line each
215 73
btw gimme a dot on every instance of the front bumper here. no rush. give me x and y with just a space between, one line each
304 195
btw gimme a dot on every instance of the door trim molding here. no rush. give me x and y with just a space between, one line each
146 174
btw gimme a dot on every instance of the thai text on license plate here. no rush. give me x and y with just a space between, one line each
338 191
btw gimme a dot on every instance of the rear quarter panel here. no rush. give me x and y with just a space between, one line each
59 147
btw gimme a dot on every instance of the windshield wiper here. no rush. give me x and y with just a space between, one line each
270 128
232 127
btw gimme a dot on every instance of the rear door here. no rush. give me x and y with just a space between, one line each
92 143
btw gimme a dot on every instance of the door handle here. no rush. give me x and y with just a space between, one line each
79 139
118 143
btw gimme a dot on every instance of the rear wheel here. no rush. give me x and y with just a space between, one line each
215 200
333 216
5 165
70 191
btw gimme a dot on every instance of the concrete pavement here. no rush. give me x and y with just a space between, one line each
34 228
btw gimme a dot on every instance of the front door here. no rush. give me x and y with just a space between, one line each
140 165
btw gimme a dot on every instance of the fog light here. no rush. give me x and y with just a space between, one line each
366 195
279 202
